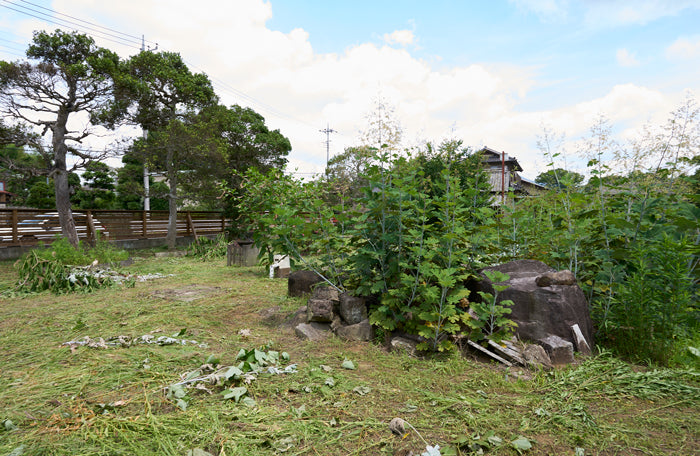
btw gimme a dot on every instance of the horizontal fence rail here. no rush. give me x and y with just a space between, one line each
26 227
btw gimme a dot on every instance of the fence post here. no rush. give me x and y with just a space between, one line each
144 224
15 230
90 228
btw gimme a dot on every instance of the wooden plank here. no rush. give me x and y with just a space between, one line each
190 227
489 353
513 355
581 343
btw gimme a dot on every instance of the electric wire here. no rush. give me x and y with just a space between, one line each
70 25
134 42
138 39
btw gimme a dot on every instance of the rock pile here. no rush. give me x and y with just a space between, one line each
330 312
550 310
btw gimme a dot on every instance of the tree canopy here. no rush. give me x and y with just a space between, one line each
560 179
164 97
69 76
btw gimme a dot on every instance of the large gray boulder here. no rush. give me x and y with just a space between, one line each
540 311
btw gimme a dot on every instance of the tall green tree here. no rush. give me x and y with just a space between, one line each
239 138
129 188
68 75
164 96
560 179
98 191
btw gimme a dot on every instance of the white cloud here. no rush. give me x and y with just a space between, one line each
684 48
300 91
626 59
401 37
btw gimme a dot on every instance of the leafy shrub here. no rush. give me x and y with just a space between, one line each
209 249
491 321
403 242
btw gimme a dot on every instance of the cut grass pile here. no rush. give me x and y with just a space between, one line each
55 400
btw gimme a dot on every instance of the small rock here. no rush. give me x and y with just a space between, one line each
319 310
402 344
560 351
548 279
326 293
298 317
536 356
312 331
397 426
361 331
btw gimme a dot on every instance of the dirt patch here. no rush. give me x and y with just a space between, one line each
186 294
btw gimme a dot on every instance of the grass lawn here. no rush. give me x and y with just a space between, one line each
55 400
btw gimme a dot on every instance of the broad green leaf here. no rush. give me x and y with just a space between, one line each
176 391
235 393
232 371
521 444
9 425
213 360
249 402
347 364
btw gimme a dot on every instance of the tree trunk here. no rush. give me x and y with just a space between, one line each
172 201
65 214
60 179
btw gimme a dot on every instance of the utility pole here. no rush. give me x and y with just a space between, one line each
328 132
146 186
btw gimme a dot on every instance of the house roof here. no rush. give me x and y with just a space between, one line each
493 157
532 182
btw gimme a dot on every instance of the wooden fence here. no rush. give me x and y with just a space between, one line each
25 227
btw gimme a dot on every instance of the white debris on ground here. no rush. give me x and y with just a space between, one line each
145 277
80 274
127 341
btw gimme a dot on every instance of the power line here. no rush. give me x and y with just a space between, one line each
132 41
69 24
88 22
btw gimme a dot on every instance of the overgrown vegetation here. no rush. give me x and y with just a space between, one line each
209 249
402 243
420 223
59 399
61 268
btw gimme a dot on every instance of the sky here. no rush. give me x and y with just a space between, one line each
491 73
